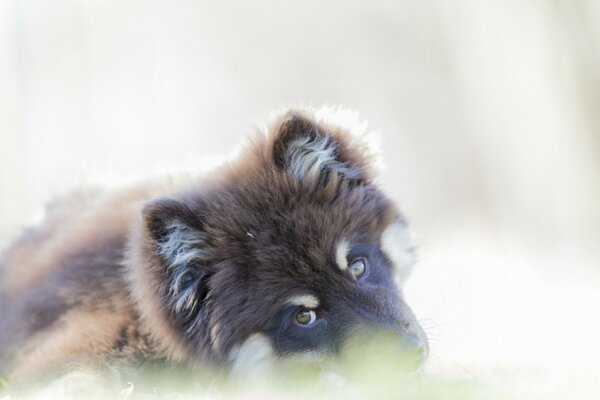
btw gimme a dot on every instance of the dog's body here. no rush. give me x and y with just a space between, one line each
290 249
62 287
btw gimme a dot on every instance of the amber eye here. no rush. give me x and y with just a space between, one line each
358 267
306 317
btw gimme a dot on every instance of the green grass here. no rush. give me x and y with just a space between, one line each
367 372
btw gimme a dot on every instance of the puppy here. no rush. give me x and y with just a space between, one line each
290 249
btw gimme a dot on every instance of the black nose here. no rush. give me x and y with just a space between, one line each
415 349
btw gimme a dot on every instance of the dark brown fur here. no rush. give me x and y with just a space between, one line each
99 280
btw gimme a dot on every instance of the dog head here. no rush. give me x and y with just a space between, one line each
291 249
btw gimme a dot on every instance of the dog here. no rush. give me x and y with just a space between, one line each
289 249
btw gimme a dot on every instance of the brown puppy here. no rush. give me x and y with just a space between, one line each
290 249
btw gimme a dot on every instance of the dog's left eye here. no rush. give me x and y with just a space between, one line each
306 317
358 267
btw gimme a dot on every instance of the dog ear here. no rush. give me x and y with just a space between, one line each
310 152
182 245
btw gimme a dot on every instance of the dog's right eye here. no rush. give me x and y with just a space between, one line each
305 317
358 267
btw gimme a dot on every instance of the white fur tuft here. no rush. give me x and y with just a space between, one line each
182 246
397 243
304 300
307 158
254 357
341 255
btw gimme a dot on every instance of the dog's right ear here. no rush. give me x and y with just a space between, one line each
182 245
308 151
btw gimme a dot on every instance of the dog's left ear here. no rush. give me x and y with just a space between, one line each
309 151
182 246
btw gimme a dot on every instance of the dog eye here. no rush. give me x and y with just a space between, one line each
358 267
306 317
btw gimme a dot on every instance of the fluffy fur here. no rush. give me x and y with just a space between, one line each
215 270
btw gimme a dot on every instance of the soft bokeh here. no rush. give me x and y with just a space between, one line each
488 113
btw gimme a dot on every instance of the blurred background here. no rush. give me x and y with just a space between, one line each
488 113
